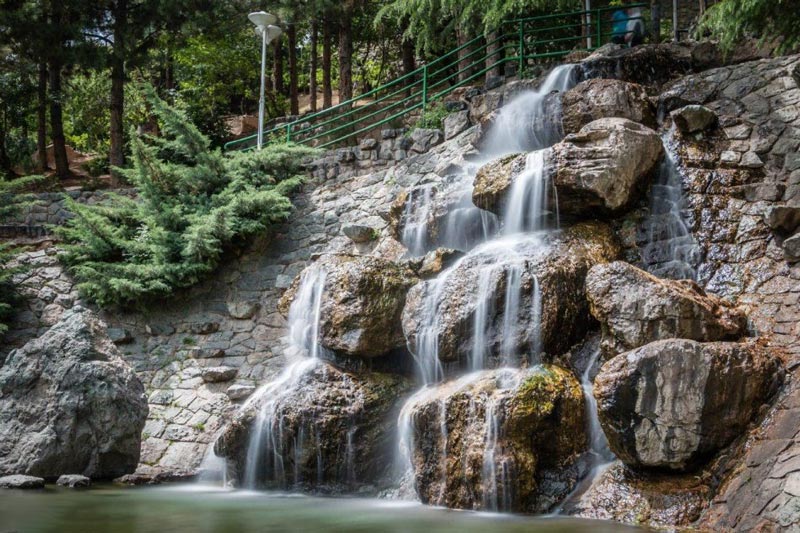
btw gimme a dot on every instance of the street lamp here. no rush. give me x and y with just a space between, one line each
265 26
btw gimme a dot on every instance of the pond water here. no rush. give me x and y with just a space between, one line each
198 509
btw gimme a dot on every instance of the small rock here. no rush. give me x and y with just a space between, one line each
368 144
137 479
119 335
73 481
21 482
492 82
218 374
243 310
791 247
729 157
359 233
202 353
751 160
239 392
437 260
784 219
694 118
204 328
455 123
159 329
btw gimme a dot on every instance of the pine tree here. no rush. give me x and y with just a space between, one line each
193 204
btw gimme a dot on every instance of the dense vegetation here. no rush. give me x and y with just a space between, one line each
731 20
194 203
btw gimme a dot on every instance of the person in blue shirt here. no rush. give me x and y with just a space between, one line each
619 26
635 27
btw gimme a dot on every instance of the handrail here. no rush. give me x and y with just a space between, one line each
530 38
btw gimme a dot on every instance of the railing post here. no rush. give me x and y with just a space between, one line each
521 49
424 88
289 132
599 29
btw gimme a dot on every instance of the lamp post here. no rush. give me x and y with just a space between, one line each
264 23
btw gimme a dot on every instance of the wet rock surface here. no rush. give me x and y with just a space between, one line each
69 403
603 98
649 65
556 264
498 440
362 300
672 404
18 481
635 308
73 481
332 431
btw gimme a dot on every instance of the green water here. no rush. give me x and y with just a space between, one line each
195 509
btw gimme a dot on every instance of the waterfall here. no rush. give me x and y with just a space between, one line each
265 451
524 124
669 250
501 295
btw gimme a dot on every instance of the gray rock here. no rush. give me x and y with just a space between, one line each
751 160
784 219
70 403
603 98
425 139
694 118
159 329
362 300
334 428
557 266
368 144
243 310
119 335
635 308
455 123
239 392
218 374
73 481
791 248
672 404
359 233
18 481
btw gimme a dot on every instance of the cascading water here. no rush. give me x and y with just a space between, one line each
524 124
501 297
669 250
265 451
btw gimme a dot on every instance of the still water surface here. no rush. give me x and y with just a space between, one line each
197 509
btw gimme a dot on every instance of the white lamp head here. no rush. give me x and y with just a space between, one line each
262 18
273 32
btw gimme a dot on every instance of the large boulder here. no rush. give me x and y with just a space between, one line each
362 299
69 404
672 404
320 428
598 170
635 308
497 440
603 166
603 98
525 293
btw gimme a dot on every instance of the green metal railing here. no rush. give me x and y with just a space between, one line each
518 42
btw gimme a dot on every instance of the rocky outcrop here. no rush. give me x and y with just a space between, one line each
478 283
672 404
324 429
497 440
605 98
652 64
603 166
362 300
635 308
70 404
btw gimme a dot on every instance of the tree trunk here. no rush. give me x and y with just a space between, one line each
277 67
346 55
294 102
494 54
655 21
116 155
41 118
463 62
409 63
327 86
312 78
56 122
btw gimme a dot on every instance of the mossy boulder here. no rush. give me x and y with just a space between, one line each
504 439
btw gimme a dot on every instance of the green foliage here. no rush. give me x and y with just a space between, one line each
194 203
731 20
433 116
11 201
